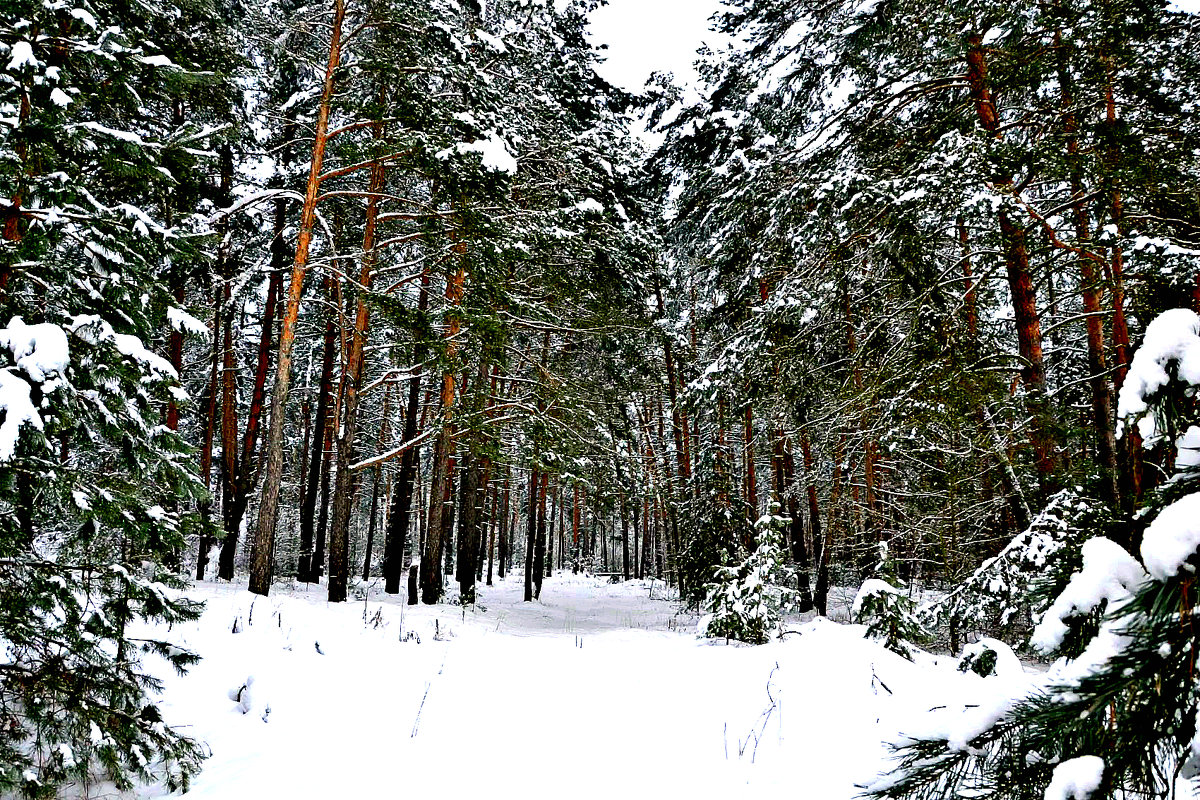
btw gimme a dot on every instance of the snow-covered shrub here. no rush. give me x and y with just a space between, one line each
988 657
890 616
1006 593
746 602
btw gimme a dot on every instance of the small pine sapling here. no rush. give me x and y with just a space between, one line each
746 602
890 615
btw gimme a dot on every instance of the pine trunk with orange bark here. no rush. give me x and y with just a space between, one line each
1020 282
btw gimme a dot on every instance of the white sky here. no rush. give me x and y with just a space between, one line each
646 36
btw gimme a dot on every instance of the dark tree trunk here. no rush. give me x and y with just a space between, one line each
539 555
207 432
468 527
316 464
796 528
531 535
398 519
503 555
343 496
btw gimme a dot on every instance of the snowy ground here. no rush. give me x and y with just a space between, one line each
598 690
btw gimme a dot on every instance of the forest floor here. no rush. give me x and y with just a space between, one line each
600 690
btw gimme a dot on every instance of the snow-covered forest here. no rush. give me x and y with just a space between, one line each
391 400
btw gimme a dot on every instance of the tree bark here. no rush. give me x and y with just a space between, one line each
394 565
1020 282
343 495
1102 417
207 432
431 559
531 534
264 542
316 464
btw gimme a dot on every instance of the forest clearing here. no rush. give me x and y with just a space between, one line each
621 398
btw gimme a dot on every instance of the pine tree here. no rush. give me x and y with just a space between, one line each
98 494
1119 706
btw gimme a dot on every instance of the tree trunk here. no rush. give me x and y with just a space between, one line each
316 464
751 475
394 565
208 429
343 495
383 434
531 534
264 542
229 432
431 558
504 528
1102 417
1020 282
468 527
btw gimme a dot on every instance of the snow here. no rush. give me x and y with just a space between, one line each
1076 779
1187 449
185 323
1007 663
1109 575
92 328
1173 538
870 588
1172 341
18 412
598 687
492 151
22 56
40 350
494 42
84 16
589 205
60 98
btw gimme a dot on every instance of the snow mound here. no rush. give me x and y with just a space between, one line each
1007 664
40 350
870 588
1173 538
1109 574
1076 779
1172 343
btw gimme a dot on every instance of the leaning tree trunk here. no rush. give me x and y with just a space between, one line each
264 540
